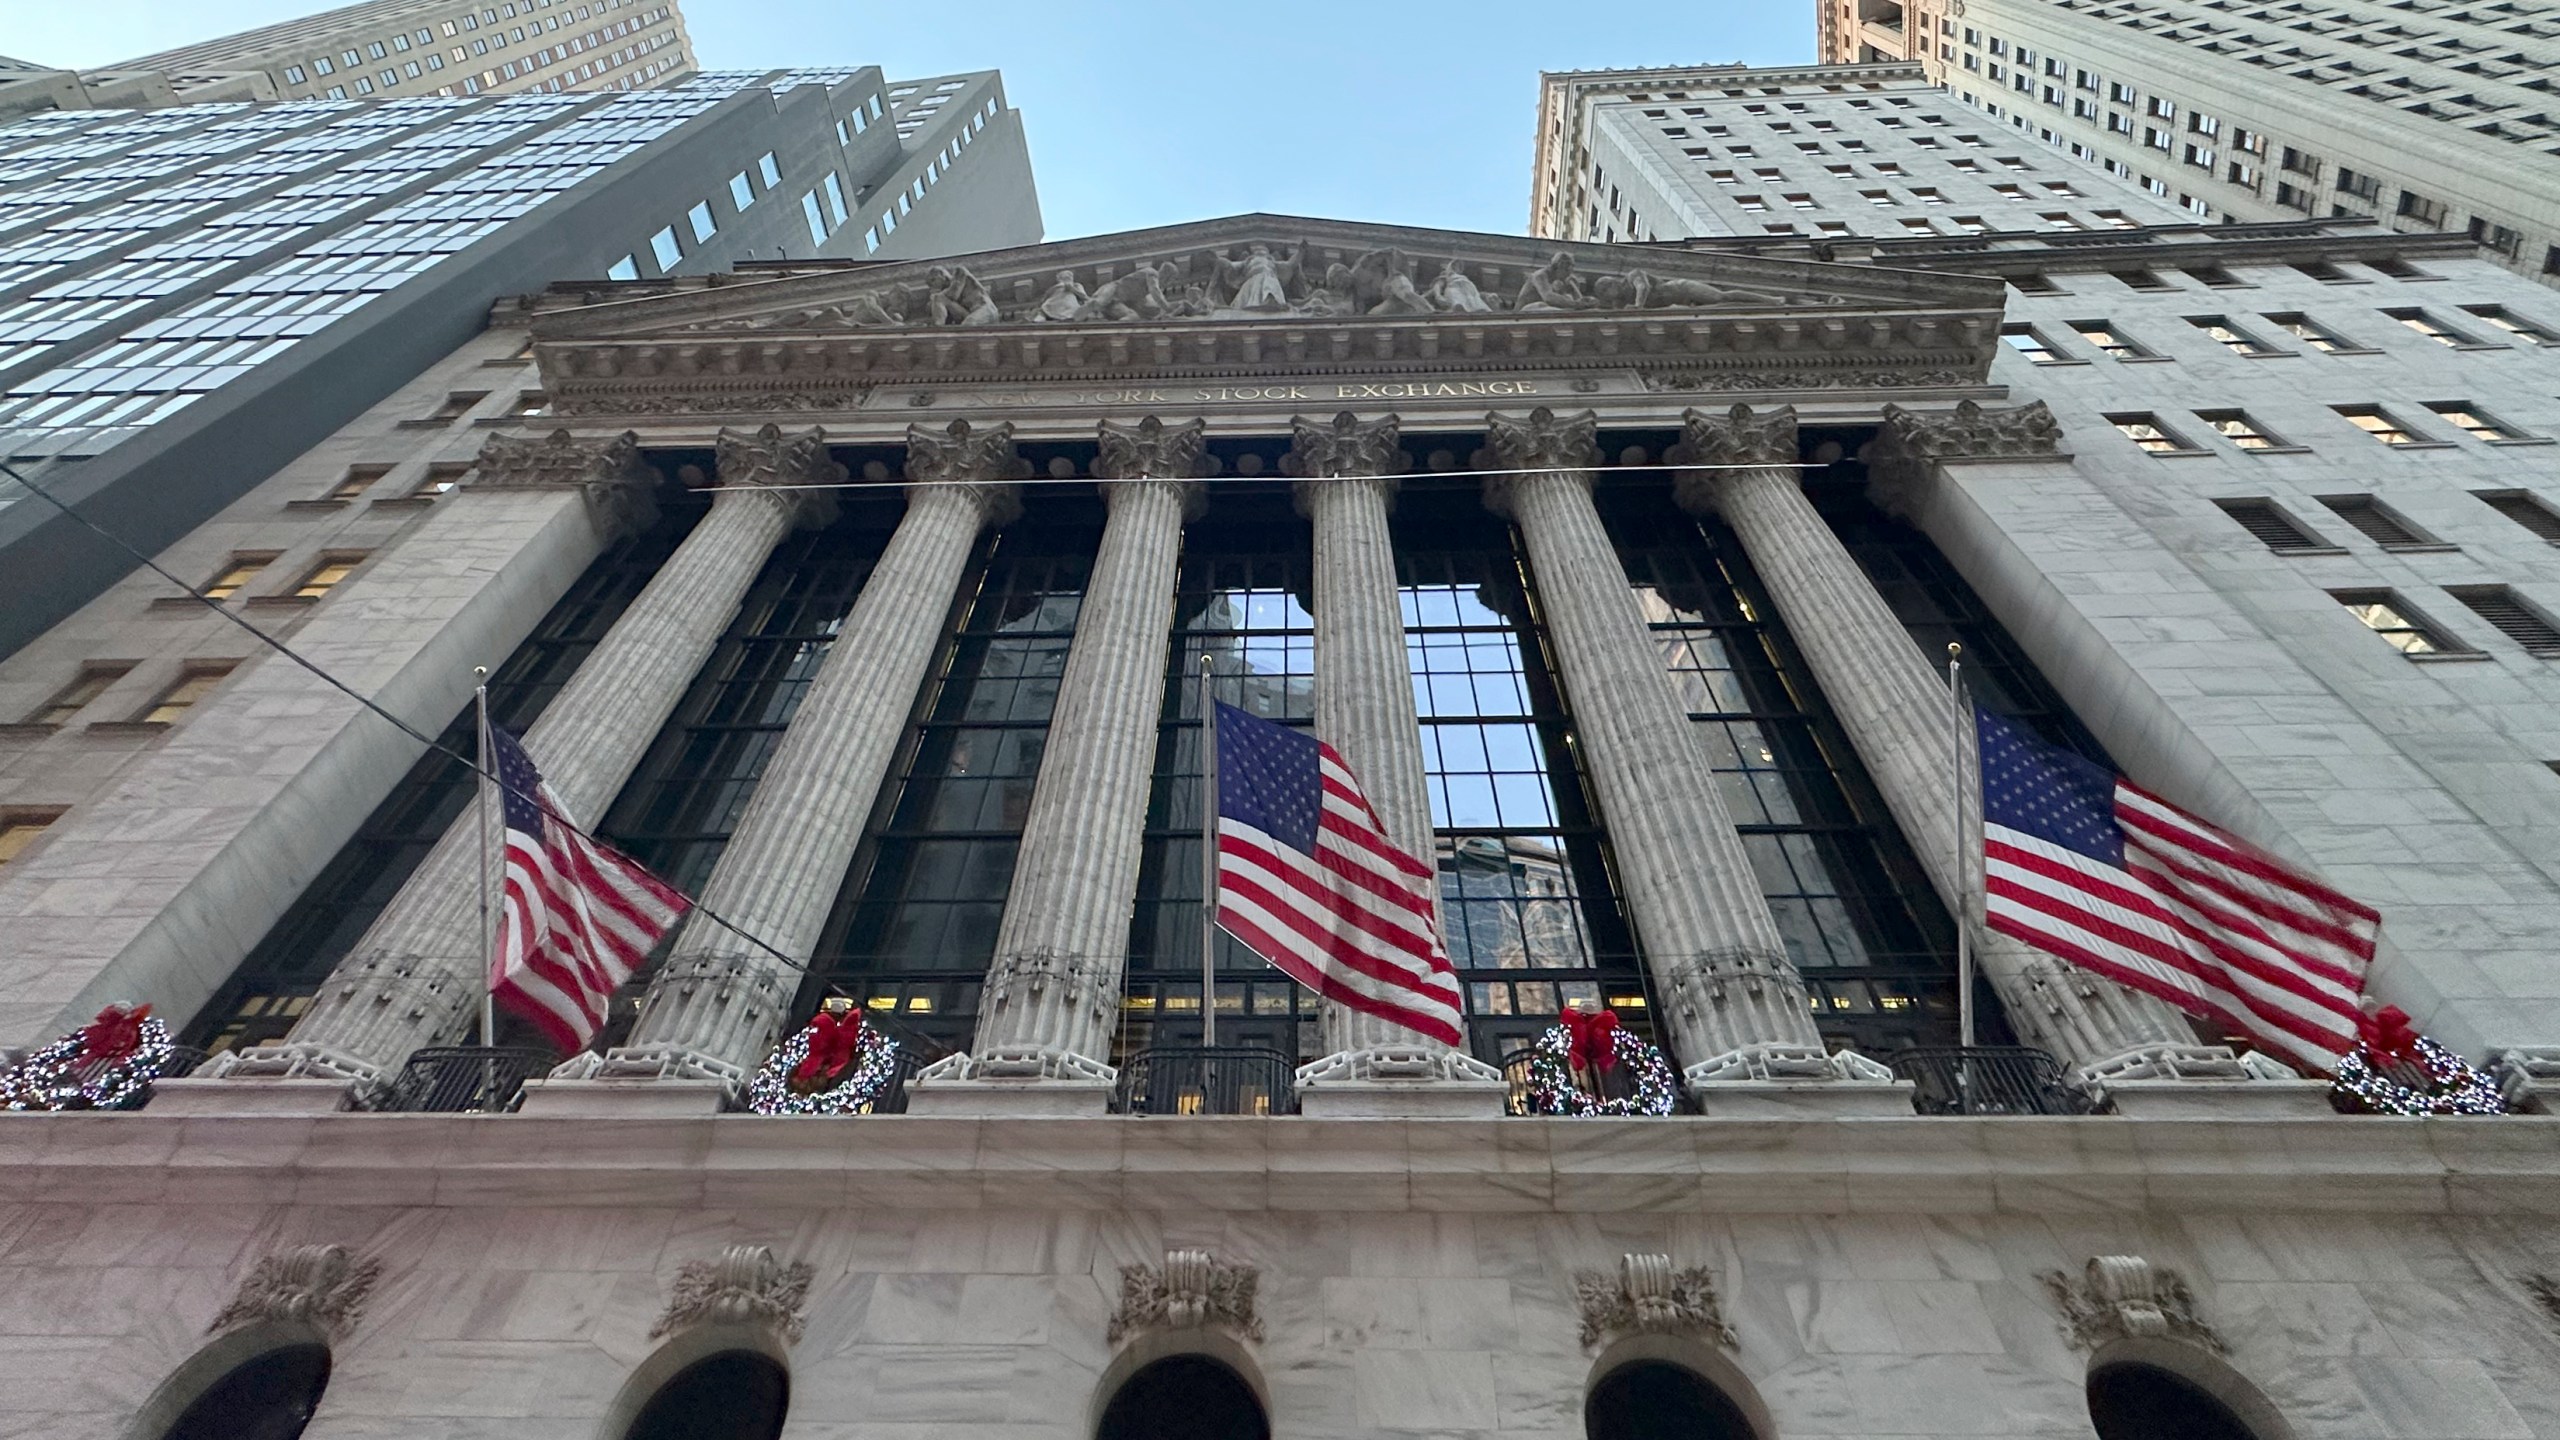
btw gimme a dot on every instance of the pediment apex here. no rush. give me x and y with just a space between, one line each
1258 268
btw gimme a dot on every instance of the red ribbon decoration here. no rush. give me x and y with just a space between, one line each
1592 1042
832 1041
115 1034
2387 1033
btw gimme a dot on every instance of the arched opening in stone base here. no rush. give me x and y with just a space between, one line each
2164 1390
712 1382
261 1382
1666 1387
1190 1384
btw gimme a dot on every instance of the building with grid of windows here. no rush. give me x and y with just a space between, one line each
386 49
2422 114
188 296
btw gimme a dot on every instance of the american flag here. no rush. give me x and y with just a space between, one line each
2090 867
578 916
1308 880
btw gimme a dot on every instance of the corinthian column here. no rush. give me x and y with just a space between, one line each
1895 707
1051 992
416 976
715 1005
1365 710
1733 1005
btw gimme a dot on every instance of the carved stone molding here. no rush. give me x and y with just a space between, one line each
1972 432
1192 1288
773 456
1660 379
1740 436
1645 1296
1544 440
745 1286
319 1285
525 462
1344 445
2125 1297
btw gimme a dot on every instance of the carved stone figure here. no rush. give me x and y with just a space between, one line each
1395 290
1339 294
323 1286
1138 295
1553 286
1260 281
1645 290
2123 1297
1453 291
955 296
745 1286
1065 300
1192 1289
1647 1297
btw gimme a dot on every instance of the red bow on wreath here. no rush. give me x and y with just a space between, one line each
2387 1033
115 1034
832 1041
1591 1039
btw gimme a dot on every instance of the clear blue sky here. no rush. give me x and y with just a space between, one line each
1156 111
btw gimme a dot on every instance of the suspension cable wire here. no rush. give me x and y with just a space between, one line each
468 762
1294 479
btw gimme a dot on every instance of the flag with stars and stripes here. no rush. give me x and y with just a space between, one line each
2088 866
578 917
1308 880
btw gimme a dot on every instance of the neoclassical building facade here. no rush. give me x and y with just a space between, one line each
874 606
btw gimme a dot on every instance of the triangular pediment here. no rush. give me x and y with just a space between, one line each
1265 268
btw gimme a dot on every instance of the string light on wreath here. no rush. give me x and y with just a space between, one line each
834 1065
1567 1063
107 1064
2376 1078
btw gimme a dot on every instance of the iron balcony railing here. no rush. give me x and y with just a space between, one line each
1987 1080
463 1079
1206 1080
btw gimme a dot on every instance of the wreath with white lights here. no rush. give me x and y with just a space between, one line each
1575 1043
834 1065
2454 1085
107 1064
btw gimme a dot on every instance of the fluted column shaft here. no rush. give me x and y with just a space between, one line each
1900 718
715 1005
1718 963
416 976
1051 992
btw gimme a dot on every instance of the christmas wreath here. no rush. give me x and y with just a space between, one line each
1569 1063
2383 1074
834 1065
107 1064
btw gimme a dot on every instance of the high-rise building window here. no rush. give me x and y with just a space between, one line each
2380 424
2109 340
2516 327
2025 340
663 246
2378 522
817 220
2146 431
238 571
192 685
2475 422
19 829
2527 509
2434 329
700 218
2310 332
2399 625
2423 209
2276 527
71 699
626 268
2514 616
2241 430
2220 330
741 193
769 169
835 198
324 577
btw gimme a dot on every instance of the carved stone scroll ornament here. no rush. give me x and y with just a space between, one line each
1973 432
1345 445
745 1286
1740 436
1152 450
1193 1288
1543 440
981 460
771 458
525 462
2125 1297
1647 1297
323 1286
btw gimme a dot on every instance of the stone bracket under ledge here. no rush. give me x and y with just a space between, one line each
624 1099
1402 1099
1009 1099
1801 1099
249 1095
2220 1099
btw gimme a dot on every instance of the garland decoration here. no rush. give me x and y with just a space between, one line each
2381 1075
1567 1060
107 1064
834 1065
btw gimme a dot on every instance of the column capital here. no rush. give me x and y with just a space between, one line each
1344 446
1544 440
1740 436
979 461
1152 450
617 483
1970 432
769 461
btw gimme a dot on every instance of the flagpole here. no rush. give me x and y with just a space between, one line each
1964 866
1208 853
488 936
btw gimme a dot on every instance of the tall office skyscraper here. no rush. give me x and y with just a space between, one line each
2426 116
189 295
387 48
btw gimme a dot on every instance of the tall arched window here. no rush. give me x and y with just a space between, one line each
268 1396
1185 1397
726 1395
1657 1400
2130 1400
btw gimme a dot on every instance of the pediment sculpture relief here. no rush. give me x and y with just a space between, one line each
1260 281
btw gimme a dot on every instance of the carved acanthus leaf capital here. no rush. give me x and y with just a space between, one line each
1740 436
323 1286
1344 445
1152 450
1972 432
773 461
981 461
524 462
2125 1297
745 1286
1645 1296
1192 1288
1544 440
